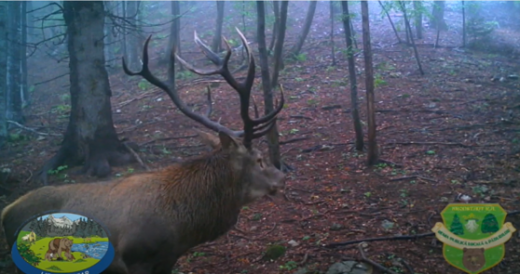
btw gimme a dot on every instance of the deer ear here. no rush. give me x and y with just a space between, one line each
208 138
227 141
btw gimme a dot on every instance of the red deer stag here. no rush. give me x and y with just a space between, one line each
155 217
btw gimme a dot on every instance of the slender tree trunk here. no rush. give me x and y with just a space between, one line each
14 96
90 138
24 91
130 40
373 152
278 48
352 77
276 11
3 71
391 22
408 29
216 45
463 24
417 6
332 49
272 136
175 36
306 27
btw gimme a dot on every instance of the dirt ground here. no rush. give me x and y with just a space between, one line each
453 130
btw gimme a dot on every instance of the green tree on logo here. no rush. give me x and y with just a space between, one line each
489 224
456 226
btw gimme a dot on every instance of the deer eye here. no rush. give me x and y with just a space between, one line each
259 161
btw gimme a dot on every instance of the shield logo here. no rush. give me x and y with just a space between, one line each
473 235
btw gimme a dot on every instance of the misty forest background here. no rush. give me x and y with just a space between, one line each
418 108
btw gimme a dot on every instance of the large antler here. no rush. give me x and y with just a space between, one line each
172 93
253 128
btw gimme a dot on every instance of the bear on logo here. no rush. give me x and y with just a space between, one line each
473 258
57 246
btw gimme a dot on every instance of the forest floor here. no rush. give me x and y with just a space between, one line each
451 131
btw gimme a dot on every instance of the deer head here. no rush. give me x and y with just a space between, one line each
262 177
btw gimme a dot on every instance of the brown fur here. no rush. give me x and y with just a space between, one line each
59 245
155 217
473 258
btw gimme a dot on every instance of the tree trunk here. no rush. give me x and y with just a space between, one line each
272 136
90 137
24 91
306 27
417 6
109 37
463 25
408 29
130 50
373 154
278 48
385 9
3 71
332 50
276 11
216 45
175 37
352 77
438 15
14 96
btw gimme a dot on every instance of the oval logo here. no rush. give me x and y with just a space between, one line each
62 243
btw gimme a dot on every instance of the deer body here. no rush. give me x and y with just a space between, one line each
155 217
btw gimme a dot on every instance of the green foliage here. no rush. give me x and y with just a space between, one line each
57 170
184 75
456 226
379 81
28 254
301 57
144 85
274 252
290 265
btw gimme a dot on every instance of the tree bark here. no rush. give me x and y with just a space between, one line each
272 136
373 154
332 49
278 48
276 11
24 91
175 38
14 96
417 6
109 37
463 24
90 138
306 28
216 45
3 72
352 77
438 15
130 41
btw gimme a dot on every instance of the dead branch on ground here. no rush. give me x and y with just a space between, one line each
373 263
32 130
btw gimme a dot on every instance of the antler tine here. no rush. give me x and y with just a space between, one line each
273 114
248 84
207 51
196 70
172 93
